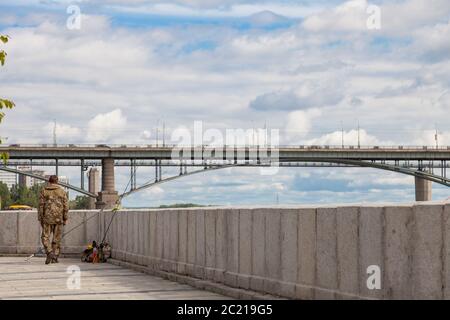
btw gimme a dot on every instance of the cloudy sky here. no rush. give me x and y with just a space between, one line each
303 67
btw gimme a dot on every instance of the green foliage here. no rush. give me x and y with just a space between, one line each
7 104
20 195
5 195
3 55
80 203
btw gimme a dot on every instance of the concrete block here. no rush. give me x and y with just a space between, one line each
130 217
100 220
123 233
306 256
166 235
427 259
113 230
76 240
117 239
117 222
326 254
102 226
231 279
245 242
152 236
210 240
29 232
347 249
173 244
159 234
371 248
398 252
232 221
257 283
446 252
272 251
127 236
8 234
135 232
92 226
200 254
182 241
304 292
141 226
288 290
258 246
243 281
289 250
221 245
192 242
105 219
146 244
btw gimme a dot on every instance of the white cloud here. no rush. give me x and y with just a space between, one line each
307 95
155 191
427 138
397 18
350 16
299 124
106 126
350 139
64 132
146 135
433 42
215 8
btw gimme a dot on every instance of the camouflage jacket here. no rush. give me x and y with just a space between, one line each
53 205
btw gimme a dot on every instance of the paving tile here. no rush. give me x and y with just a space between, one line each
35 280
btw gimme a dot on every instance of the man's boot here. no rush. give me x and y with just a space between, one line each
55 259
50 257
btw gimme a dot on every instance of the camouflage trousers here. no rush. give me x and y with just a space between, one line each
55 244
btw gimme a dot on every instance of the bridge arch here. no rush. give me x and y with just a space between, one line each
387 167
416 173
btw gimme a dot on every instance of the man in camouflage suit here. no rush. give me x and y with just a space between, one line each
52 214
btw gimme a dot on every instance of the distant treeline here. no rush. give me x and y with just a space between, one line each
181 205
19 195
176 205
29 196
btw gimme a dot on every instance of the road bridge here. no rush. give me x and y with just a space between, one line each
426 164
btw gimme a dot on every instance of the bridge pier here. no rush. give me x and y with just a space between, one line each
94 185
423 189
108 197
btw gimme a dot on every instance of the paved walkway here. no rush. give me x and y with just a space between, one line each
35 280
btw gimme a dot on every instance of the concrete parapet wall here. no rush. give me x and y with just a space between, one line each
292 252
20 232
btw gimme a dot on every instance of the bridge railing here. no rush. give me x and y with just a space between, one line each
326 147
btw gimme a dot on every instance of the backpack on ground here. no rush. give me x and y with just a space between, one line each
95 253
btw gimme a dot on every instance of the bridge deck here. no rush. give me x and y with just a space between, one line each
35 280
